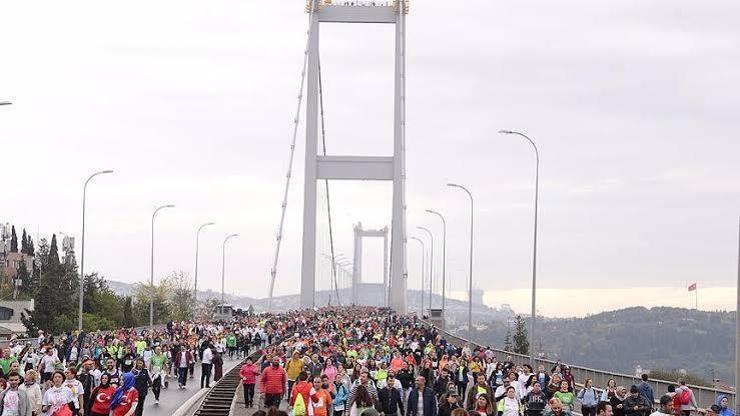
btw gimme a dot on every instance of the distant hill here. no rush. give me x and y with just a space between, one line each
700 342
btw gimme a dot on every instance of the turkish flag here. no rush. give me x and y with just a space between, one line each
692 287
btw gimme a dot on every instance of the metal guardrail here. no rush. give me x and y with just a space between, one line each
219 399
705 396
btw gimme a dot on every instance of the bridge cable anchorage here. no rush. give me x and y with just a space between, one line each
328 199
296 119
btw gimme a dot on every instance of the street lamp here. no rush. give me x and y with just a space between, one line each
737 321
470 281
197 244
534 255
82 251
431 262
423 253
151 276
223 267
444 256
5 103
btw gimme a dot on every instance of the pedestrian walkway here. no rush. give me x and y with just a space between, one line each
240 410
171 399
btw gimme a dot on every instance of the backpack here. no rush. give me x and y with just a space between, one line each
685 396
299 406
676 404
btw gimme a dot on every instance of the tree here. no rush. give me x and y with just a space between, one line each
13 240
24 242
521 343
129 319
30 250
53 256
143 293
55 293
181 299
100 301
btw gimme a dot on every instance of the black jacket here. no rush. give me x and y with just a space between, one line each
440 385
142 381
445 409
390 400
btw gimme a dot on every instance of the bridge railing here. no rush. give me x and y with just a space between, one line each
705 396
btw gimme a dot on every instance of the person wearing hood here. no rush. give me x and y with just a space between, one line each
617 401
724 406
99 404
126 397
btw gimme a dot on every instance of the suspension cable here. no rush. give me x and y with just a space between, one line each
328 199
296 119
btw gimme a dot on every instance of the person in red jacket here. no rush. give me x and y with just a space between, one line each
272 384
182 360
302 387
248 374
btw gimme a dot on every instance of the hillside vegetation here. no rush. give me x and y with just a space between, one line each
700 342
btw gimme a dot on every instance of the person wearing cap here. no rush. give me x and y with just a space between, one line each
635 404
666 406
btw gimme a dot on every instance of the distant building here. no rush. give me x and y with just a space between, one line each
11 263
478 296
10 317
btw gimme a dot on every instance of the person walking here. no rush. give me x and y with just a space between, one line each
248 374
14 401
206 364
421 401
142 383
646 390
685 399
272 383
126 397
157 369
321 401
589 398
99 404
635 404
218 366
183 359
535 401
390 400
666 406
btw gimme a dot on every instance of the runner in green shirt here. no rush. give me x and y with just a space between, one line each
231 344
157 370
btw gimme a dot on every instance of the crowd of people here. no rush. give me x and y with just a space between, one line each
113 372
358 361
367 361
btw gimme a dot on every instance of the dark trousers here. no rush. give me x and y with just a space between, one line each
461 387
182 375
157 387
338 412
205 374
273 400
191 368
588 411
248 394
140 404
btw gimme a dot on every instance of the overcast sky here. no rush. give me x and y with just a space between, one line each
634 106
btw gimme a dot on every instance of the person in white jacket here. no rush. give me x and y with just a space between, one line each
33 390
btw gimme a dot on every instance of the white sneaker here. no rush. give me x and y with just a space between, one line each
156 402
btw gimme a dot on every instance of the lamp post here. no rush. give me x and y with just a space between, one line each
82 251
5 103
534 249
444 257
431 262
423 253
470 280
737 323
223 267
197 247
151 275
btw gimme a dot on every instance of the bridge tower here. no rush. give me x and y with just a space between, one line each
387 168
360 233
